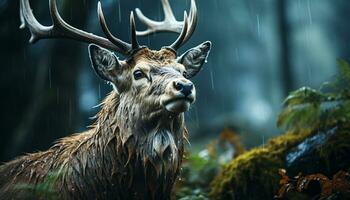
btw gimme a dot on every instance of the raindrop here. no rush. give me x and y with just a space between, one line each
99 91
196 117
212 79
206 58
258 24
50 80
309 12
237 54
119 12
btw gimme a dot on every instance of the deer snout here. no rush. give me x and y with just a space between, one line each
185 88
179 95
182 88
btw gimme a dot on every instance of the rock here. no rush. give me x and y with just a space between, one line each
254 174
326 152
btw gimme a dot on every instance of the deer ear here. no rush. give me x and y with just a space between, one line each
194 58
104 62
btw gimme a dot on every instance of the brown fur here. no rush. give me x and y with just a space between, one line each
129 153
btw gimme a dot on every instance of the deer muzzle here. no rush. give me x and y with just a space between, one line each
180 94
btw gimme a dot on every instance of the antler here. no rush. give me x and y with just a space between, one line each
61 29
170 24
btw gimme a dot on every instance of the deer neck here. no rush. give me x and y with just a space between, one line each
152 146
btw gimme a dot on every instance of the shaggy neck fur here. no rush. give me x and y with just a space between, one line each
123 156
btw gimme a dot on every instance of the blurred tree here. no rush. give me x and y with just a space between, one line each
44 81
284 31
11 79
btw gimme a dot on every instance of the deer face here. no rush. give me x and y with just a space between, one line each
152 81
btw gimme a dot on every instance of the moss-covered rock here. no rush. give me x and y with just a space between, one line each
254 175
326 153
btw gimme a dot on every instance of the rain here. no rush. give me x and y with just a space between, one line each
262 51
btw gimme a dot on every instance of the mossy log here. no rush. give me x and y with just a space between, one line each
254 174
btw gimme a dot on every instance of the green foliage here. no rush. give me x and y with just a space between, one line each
310 108
197 171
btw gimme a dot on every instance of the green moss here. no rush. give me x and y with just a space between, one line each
255 173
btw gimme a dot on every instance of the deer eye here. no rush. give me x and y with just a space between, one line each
138 74
184 73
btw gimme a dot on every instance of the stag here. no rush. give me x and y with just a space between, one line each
135 147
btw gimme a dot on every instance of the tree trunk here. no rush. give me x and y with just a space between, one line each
284 31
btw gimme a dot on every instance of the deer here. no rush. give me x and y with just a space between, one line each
135 147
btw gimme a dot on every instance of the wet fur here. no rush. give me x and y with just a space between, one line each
106 162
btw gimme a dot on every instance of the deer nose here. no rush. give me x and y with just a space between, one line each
183 87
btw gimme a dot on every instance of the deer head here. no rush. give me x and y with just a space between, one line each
156 81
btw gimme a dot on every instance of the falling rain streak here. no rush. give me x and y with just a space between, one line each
212 79
50 81
258 24
99 92
309 11
237 54
246 65
119 12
